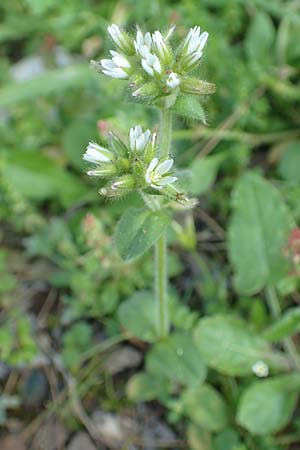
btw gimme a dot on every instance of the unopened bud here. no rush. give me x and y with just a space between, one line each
103 171
162 48
197 87
119 187
121 39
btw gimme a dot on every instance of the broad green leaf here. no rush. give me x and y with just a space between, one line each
144 387
178 359
267 405
258 233
227 440
137 230
204 172
205 407
290 163
38 177
137 316
198 438
287 325
260 37
189 107
228 345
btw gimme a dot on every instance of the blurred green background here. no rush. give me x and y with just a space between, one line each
61 280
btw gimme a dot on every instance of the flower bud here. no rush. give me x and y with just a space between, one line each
260 369
148 90
96 154
121 39
162 48
150 150
173 80
138 139
151 65
120 186
103 171
142 43
197 87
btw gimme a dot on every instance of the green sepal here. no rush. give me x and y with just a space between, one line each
194 86
189 107
117 145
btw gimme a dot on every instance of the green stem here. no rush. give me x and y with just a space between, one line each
165 132
161 293
161 286
288 343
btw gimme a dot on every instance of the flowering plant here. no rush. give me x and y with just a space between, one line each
159 75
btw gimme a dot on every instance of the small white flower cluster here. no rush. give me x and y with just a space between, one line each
154 174
260 369
153 54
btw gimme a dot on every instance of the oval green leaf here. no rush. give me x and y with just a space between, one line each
229 346
137 230
178 359
267 405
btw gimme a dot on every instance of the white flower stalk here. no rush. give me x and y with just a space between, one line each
156 174
151 65
121 39
260 369
96 154
138 139
143 43
117 67
173 80
193 46
161 47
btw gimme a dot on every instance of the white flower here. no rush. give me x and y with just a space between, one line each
138 139
117 67
142 44
161 47
151 64
195 41
193 45
156 173
173 80
121 39
96 154
260 369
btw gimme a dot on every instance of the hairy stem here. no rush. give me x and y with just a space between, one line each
165 132
161 286
161 273
288 343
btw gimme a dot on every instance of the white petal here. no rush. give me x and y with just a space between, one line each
155 186
167 180
107 64
164 167
116 73
153 164
140 142
147 68
132 138
203 40
157 66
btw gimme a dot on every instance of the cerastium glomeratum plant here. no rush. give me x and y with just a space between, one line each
158 75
